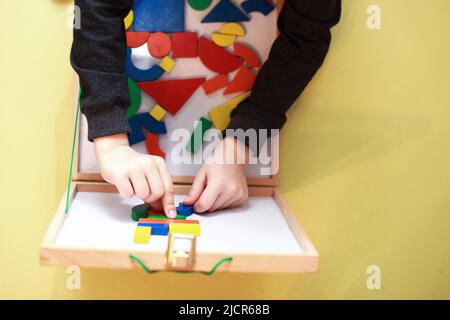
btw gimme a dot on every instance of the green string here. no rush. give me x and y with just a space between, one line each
73 152
207 273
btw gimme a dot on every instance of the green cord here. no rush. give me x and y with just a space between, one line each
207 273
73 152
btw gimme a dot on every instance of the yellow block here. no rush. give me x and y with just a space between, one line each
223 40
185 228
167 64
232 28
158 112
128 20
142 235
220 115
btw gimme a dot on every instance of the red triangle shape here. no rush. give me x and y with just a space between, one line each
171 94
242 81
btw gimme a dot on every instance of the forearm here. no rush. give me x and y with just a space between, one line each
98 56
295 57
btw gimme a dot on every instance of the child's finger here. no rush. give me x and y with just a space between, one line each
207 198
139 184
168 202
154 182
197 187
220 201
124 187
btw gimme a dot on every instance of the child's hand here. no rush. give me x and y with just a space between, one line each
220 184
133 173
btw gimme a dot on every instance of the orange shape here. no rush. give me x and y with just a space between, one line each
216 58
171 94
159 44
246 53
136 39
242 81
216 83
152 144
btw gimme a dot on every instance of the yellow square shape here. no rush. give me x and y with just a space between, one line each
142 235
185 228
167 64
158 112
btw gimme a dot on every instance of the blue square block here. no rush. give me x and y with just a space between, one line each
158 15
158 229
185 210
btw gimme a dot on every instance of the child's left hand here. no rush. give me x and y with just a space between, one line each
220 184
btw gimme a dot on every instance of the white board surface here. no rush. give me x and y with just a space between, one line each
261 31
98 220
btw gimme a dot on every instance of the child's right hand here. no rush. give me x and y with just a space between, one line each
134 173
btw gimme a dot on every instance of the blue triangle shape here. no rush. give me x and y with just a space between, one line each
225 11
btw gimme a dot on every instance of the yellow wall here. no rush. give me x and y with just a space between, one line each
365 161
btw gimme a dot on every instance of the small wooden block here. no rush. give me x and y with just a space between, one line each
135 98
225 11
185 221
185 228
159 44
216 58
178 217
172 94
151 220
249 56
184 45
139 211
242 81
220 115
142 235
199 4
128 20
223 40
262 6
136 39
149 123
152 144
157 229
159 15
167 64
185 210
137 134
158 112
197 135
232 28
218 82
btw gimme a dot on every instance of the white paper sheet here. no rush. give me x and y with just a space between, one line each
102 221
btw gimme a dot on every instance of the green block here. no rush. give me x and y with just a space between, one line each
199 4
179 217
135 98
197 135
140 211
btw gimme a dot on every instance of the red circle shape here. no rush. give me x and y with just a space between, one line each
159 44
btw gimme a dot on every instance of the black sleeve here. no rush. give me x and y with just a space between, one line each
296 55
98 56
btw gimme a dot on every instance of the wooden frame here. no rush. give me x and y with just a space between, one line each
51 254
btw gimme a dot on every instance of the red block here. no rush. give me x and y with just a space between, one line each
171 94
242 81
184 45
216 83
136 39
216 58
249 56
159 44
152 144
